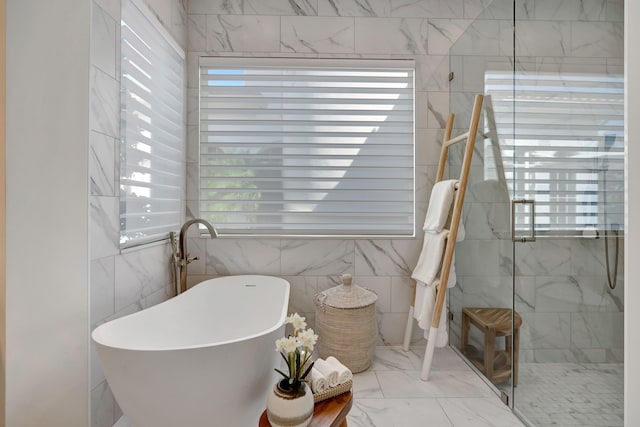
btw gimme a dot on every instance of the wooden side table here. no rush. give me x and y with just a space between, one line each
328 413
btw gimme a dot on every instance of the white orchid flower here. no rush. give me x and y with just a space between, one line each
308 339
297 321
287 345
280 343
296 351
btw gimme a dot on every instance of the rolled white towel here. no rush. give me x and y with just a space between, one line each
319 382
328 371
344 373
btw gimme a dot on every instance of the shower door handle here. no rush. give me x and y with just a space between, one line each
531 237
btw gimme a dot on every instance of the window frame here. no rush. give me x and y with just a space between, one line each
318 63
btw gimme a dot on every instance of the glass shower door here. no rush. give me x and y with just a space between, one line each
565 170
544 206
484 265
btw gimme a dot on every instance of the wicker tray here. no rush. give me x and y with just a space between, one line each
333 391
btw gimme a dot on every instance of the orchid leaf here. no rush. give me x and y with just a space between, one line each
307 371
282 373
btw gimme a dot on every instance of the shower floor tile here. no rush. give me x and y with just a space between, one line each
571 394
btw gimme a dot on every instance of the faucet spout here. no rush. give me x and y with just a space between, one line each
184 259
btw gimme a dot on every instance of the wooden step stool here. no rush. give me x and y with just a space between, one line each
493 322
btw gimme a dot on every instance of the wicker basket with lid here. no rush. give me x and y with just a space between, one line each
346 324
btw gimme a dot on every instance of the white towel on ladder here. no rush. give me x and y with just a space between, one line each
430 259
429 263
425 273
439 205
425 302
453 279
423 312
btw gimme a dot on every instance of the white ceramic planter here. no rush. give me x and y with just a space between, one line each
290 409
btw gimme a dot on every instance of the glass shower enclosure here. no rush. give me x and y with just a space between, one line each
544 208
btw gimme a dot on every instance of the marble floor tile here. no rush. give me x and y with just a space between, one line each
397 413
390 393
478 412
366 386
407 384
444 359
394 359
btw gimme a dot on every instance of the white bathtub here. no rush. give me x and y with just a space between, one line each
203 358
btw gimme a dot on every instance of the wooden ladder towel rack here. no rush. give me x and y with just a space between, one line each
441 289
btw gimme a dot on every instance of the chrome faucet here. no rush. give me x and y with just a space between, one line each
182 258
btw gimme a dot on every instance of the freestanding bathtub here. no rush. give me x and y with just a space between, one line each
203 358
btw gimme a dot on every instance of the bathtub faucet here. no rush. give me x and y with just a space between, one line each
183 255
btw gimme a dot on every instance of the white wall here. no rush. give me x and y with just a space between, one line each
3 187
632 214
47 213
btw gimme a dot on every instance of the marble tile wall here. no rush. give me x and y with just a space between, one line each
121 282
419 30
569 313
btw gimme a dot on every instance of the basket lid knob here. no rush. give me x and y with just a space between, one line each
346 295
347 279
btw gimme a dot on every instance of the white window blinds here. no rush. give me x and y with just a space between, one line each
152 129
318 147
562 144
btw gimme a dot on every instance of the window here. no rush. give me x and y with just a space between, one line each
307 147
568 149
152 129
